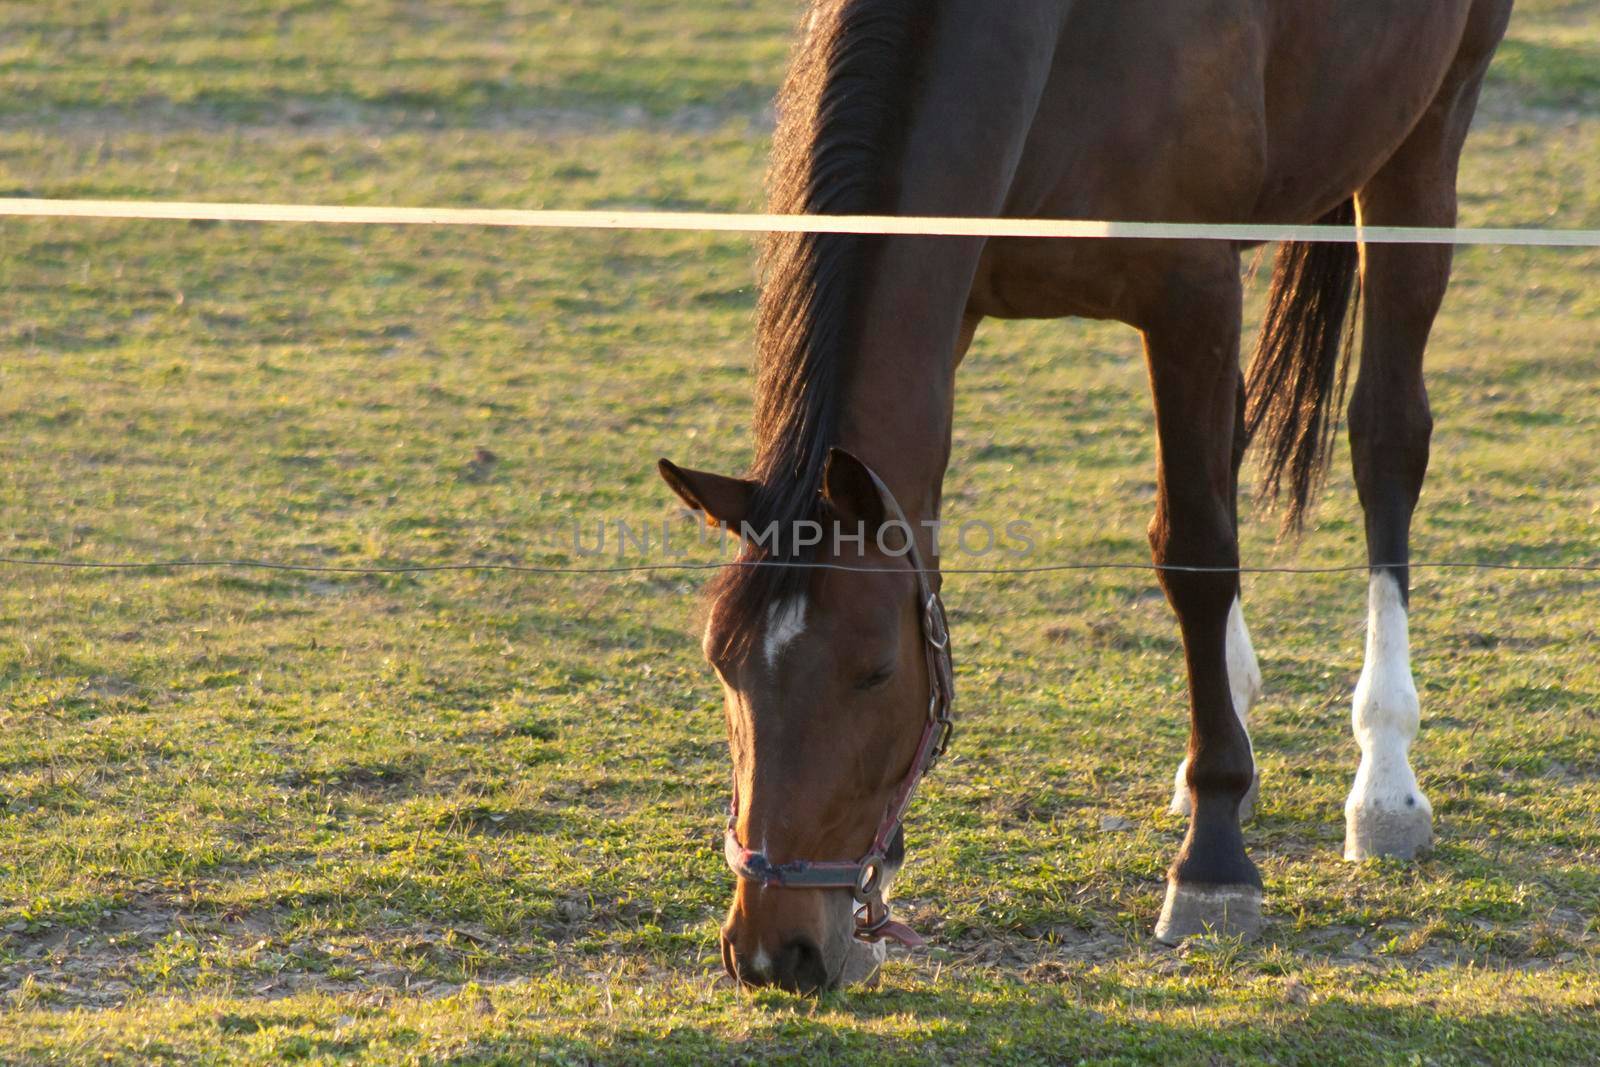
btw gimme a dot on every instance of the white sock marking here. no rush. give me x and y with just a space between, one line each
1244 672
1385 713
785 622
1244 683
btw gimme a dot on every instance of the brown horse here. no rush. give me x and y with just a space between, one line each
1217 110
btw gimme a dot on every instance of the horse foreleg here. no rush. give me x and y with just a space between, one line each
1244 685
1244 672
1192 345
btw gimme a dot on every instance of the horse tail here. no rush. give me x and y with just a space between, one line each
1301 364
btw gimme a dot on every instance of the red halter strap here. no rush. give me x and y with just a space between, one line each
865 877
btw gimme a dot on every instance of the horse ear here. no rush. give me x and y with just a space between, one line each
851 490
725 501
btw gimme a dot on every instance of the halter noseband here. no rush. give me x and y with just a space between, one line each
865 877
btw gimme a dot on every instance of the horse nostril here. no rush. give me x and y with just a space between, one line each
799 967
750 972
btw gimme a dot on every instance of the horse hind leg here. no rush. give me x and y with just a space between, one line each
1390 426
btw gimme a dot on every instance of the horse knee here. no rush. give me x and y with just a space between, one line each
1205 539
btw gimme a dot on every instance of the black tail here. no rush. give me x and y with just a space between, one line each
1296 381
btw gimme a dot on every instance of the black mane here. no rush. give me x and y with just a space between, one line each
841 117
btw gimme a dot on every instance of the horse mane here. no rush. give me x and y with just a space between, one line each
841 120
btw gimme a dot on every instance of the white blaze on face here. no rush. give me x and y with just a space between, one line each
785 622
1385 713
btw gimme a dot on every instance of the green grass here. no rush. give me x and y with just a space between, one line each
254 816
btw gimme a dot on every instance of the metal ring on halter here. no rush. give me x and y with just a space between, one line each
868 926
869 878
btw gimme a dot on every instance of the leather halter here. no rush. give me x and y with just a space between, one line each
865 877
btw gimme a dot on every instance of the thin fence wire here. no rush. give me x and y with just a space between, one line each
880 225
648 568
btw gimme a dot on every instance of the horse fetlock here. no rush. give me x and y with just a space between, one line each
1183 804
1245 687
1192 910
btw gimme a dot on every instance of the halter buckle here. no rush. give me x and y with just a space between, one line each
934 629
947 729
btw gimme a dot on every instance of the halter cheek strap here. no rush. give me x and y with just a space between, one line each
865 877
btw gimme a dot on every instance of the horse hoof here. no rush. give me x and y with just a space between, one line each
1227 910
1181 804
863 964
1370 832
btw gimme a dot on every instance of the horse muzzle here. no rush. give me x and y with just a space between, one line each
801 941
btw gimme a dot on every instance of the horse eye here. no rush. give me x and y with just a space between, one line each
876 678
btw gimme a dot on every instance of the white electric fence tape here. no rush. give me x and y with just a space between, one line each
884 225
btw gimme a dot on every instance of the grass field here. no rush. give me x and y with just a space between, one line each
470 818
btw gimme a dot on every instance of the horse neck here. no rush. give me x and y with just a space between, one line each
983 79
897 410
